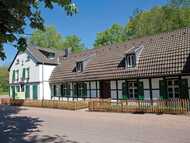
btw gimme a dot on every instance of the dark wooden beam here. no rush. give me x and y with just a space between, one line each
90 89
117 94
96 89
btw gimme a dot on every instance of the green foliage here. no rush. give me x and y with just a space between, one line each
110 36
16 14
74 43
47 39
157 20
4 77
174 15
50 38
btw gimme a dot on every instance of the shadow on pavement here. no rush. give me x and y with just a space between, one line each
17 129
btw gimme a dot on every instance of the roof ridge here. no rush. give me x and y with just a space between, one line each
147 37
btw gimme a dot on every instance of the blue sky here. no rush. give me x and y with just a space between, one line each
94 16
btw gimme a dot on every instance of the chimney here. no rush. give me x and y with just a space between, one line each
67 52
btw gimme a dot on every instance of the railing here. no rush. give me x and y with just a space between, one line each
173 106
70 105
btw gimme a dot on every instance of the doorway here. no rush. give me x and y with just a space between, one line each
105 90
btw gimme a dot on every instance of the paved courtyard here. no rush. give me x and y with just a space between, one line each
37 125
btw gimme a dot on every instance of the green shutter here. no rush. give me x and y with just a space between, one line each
140 91
124 90
35 92
28 73
23 73
17 74
13 92
74 90
184 89
84 90
68 89
13 75
163 89
27 91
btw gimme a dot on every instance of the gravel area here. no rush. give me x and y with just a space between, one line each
26 124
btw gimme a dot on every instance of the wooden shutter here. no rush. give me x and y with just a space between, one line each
54 90
74 90
28 73
27 92
68 90
35 92
13 76
84 90
23 73
184 93
13 92
163 89
140 90
124 90
62 94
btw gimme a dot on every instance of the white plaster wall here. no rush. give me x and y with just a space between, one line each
34 68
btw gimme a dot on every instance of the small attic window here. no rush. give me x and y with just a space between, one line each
79 66
130 60
17 61
51 55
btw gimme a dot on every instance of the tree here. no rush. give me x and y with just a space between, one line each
179 3
4 79
16 14
73 42
110 36
50 38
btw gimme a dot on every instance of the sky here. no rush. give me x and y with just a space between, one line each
93 16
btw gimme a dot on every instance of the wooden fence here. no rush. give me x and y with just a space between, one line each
70 105
173 106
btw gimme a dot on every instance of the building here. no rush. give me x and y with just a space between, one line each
30 71
148 68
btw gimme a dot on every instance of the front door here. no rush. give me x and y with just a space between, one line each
105 91
35 92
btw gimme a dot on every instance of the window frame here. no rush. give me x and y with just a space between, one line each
79 66
130 60
173 86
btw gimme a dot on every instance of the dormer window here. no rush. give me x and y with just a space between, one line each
51 55
130 60
79 66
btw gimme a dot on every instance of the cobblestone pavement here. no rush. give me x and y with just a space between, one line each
61 126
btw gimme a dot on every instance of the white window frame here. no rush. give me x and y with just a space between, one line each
80 67
130 60
173 86
133 88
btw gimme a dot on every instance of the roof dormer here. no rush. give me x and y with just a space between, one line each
132 57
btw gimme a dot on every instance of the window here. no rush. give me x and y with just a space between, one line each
51 55
17 74
27 73
82 90
79 66
173 88
132 90
27 58
65 90
130 60
22 87
17 61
